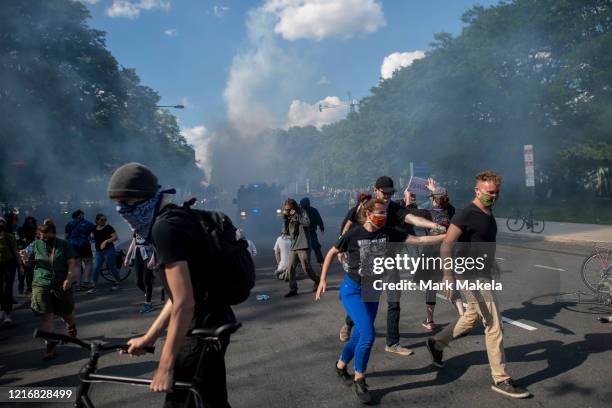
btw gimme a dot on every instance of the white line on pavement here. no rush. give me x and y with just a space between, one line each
519 324
549 267
505 319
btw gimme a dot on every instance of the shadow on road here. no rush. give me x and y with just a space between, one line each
560 357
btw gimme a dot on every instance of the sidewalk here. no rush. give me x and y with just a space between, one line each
564 231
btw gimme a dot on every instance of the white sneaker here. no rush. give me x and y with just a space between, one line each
115 287
7 319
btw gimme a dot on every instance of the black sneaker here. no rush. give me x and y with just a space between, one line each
344 375
361 391
509 389
436 355
291 293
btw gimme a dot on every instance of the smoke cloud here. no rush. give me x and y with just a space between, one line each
326 111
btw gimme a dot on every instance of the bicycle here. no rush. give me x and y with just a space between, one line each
124 271
88 376
596 273
519 221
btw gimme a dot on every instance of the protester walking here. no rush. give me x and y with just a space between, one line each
54 270
140 256
403 220
78 233
9 263
441 213
297 225
315 222
474 230
362 244
27 235
105 237
281 249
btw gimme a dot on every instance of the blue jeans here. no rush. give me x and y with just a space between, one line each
363 315
109 256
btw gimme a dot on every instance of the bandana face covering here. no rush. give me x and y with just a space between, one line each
140 216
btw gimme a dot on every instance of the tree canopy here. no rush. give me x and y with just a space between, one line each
523 72
70 112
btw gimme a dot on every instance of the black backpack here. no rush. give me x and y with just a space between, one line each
232 271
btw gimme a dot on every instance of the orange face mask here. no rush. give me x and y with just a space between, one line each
378 220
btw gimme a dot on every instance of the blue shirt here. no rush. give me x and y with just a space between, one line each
79 231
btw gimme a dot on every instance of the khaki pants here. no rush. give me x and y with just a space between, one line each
303 255
482 308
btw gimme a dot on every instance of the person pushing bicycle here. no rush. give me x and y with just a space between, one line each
182 256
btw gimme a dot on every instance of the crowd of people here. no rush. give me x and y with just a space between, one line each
376 221
171 240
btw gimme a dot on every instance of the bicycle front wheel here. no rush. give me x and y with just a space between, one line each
537 226
515 224
595 269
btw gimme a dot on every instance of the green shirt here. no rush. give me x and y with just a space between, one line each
46 274
8 246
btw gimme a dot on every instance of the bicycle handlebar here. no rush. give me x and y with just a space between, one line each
86 345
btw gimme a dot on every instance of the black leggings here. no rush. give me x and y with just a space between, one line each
25 280
7 277
144 276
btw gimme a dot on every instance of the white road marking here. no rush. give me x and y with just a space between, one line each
519 324
505 319
549 267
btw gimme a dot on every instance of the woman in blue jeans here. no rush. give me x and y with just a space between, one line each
104 237
362 244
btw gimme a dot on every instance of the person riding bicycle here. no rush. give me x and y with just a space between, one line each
180 253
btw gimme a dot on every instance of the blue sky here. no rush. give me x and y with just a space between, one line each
295 54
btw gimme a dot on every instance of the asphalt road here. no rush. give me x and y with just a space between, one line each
283 355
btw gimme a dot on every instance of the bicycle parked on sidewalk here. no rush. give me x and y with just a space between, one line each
519 221
596 273
88 376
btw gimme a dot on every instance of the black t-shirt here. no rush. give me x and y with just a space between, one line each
362 246
178 237
350 216
101 235
479 232
395 214
450 210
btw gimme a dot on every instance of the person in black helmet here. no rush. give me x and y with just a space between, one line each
182 257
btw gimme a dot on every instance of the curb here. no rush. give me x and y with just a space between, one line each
551 238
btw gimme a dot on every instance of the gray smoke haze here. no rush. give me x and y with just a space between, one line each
71 114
